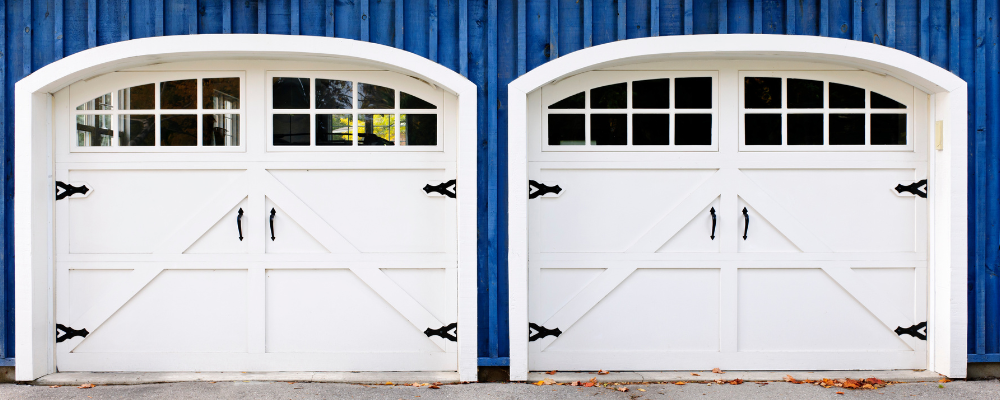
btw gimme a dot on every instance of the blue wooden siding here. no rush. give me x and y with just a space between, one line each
492 42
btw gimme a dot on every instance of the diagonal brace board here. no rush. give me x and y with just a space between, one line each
205 218
584 301
112 301
871 299
774 213
303 215
680 215
406 305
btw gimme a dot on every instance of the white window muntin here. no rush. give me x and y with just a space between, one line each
585 82
399 83
85 91
870 82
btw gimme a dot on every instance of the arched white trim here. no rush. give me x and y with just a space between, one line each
33 162
948 242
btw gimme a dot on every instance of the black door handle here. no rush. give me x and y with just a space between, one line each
239 223
712 211
746 227
272 224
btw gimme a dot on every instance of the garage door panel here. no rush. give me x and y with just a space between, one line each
88 286
805 310
179 311
832 204
289 236
428 287
131 211
224 236
555 288
899 285
377 210
334 311
761 235
609 210
653 309
697 235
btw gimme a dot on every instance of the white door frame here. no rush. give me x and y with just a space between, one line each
33 160
947 244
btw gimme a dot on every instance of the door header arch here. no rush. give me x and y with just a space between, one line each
948 196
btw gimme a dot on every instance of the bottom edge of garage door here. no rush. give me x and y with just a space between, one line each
681 361
150 362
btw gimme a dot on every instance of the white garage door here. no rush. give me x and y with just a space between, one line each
727 214
249 217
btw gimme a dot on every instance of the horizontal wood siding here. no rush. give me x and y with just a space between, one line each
492 42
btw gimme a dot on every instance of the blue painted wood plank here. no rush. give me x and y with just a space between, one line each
399 26
873 15
6 262
982 174
890 23
125 19
279 13
42 27
688 17
522 37
262 16
463 38
553 29
654 17
108 22
245 17
723 17
671 17
507 71
92 23
330 7
824 18
75 25
25 23
176 20
538 46
954 37
212 16
192 13
311 17
492 213
432 29
365 21
906 26
57 43
790 19
992 105
773 18
141 24
381 23
925 29
414 27
840 18
758 16
636 18
571 26
347 14
588 23
158 18
939 33
604 24
494 362
741 18
806 18
620 20
857 30
227 16
477 14
293 18
705 18
448 37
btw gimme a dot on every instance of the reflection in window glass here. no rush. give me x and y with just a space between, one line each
220 93
610 96
693 92
609 129
290 93
845 96
334 130
650 129
651 93
178 130
418 130
576 101
847 129
220 130
93 130
804 93
888 129
805 129
762 129
137 98
566 129
880 101
99 103
762 92
693 129
409 101
136 130
375 97
334 94
290 129
179 95
376 129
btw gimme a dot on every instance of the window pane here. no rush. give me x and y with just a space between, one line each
99 103
762 129
651 129
375 97
693 92
693 129
179 95
290 129
220 130
610 96
136 98
418 130
333 94
137 130
847 129
805 129
608 129
888 128
220 93
762 93
576 101
804 93
334 130
566 129
844 96
376 130
178 130
652 93
93 130
880 101
412 102
290 93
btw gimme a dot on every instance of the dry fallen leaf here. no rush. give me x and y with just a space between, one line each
54 386
788 378
434 387
602 372
720 381
718 371
551 372
388 383
680 383
642 390
546 381
589 384
623 389
944 380
851 384
840 392
414 384
694 374
736 381
577 383
868 386
85 386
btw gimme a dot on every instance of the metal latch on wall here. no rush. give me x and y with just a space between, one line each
536 189
445 332
913 331
69 333
64 190
536 332
913 188
442 189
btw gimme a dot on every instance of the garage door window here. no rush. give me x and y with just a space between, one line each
177 114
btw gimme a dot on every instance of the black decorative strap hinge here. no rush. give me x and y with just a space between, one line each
444 332
69 190
536 189
914 188
541 332
442 188
913 331
69 333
